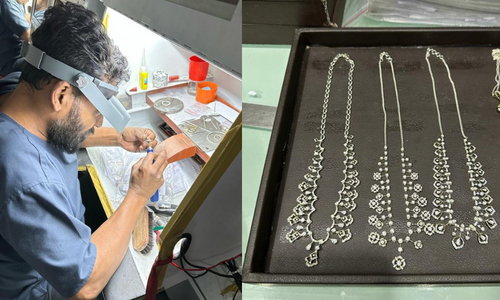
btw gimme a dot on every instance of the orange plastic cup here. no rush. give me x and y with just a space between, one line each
206 91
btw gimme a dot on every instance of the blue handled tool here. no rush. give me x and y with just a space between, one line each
154 198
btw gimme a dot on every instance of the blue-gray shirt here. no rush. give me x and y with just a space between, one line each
43 239
12 26
39 16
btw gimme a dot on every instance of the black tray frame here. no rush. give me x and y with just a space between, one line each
255 259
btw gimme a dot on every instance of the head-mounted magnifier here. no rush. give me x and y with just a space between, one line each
100 93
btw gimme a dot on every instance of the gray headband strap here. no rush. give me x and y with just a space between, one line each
91 87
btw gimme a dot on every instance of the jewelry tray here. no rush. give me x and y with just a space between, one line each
270 258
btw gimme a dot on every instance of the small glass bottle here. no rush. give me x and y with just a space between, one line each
192 86
160 79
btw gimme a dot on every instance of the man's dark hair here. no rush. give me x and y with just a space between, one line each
75 36
117 67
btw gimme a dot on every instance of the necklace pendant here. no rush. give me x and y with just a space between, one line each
344 235
294 235
458 242
303 186
312 259
491 223
482 238
294 219
440 228
346 220
304 200
399 263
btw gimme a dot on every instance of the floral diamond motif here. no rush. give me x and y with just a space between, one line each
373 238
373 203
429 229
422 201
425 215
399 263
418 244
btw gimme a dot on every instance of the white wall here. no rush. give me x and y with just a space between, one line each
132 38
161 54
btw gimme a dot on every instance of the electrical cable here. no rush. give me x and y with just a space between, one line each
199 275
199 289
233 268
192 276
234 296
209 270
230 264
205 268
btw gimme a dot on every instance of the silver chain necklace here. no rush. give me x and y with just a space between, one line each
328 20
341 218
416 216
496 90
443 192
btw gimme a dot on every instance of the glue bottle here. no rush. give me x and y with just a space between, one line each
143 74
154 198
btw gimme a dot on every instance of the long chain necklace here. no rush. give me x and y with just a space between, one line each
341 218
496 90
416 216
443 192
328 20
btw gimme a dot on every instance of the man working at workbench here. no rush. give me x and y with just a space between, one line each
46 250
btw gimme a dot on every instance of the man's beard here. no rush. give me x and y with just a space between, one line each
68 134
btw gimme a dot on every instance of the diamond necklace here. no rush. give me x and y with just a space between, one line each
414 203
496 90
341 218
480 193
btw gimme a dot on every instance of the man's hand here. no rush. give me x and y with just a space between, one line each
112 244
133 139
146 177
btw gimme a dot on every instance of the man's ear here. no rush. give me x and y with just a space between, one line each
62 95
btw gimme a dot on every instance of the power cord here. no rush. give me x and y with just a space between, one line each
233 268
230 264
189 274
183 258
234 296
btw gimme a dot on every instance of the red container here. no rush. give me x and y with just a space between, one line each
198 69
